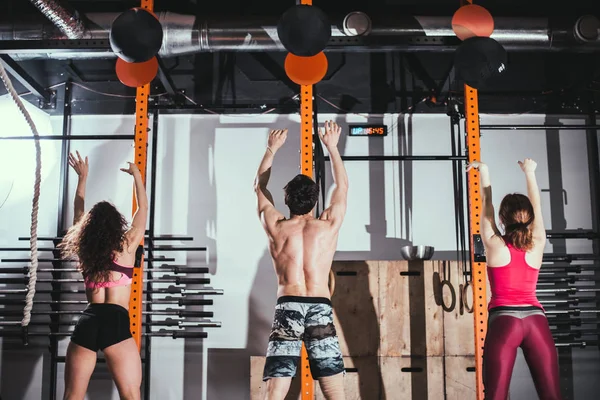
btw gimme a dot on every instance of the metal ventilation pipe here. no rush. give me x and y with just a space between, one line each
187 34
68 23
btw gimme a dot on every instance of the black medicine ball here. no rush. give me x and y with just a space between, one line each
304 30
136 35
479 59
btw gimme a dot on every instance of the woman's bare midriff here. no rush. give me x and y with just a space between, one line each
115 295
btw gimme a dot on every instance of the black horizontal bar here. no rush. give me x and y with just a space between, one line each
291 108
172 312
179 270
164 248
25 280
155 238
36 46
181 302
570 257
13 260
180 280
4 300
169 237
177 334
26 249
536 127
42 291
573 235
61 359
164 268
401 158
71 137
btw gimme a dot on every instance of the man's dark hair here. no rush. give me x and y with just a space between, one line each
301 195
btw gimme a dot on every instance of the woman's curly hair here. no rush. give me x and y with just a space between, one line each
94 240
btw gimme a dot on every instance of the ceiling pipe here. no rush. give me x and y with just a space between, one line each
67 22
186 34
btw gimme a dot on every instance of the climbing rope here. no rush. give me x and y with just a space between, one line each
33 264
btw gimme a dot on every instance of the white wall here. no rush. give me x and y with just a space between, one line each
206 166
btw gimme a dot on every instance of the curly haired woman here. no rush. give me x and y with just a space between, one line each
105 248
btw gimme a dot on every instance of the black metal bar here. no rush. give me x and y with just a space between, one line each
178 334
60 230
163 238
582 234
156 238
70 138
162 248
37 46
182 270
153 158
178 280
570 257
25 79
401 158
98 360
4 300
164 268
173 312
538 127
58 260
25 280
165 79
593 156
64 158
291 108
25 249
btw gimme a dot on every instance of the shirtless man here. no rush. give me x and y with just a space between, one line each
302 248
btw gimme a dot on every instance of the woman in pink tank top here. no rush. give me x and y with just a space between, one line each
105 248
516 317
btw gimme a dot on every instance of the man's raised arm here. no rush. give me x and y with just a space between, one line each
337 206
266 208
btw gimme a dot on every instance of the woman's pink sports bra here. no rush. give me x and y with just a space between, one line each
126 277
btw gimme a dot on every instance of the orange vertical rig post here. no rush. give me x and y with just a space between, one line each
140 147
478 271
306 166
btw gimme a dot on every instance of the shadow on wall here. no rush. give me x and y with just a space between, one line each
229 372
201 215
359 322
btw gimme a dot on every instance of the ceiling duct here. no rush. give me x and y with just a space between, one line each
187 34
67 22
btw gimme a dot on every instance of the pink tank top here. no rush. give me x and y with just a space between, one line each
126 277
514 284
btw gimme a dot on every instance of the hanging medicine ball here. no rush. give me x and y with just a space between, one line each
136 35
304 30
479 59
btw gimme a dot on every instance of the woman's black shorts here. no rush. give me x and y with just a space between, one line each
101 326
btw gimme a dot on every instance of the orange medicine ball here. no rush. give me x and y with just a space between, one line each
472 20
136 74
306 70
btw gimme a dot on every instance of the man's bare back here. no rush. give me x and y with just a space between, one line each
302 249
302 246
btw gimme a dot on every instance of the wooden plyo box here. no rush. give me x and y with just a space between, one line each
356 307
389 378
411 323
